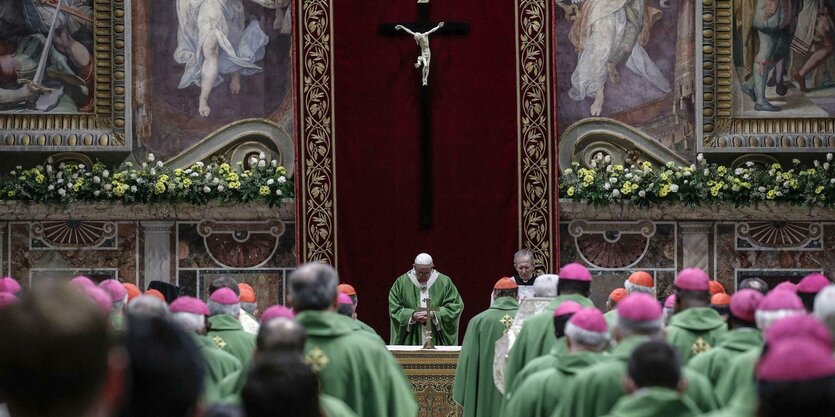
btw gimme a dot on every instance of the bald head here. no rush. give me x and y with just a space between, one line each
281 335
313 287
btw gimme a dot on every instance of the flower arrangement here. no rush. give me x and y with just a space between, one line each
701 183
150 182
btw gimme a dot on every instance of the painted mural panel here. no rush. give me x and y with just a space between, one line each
629 61
202 65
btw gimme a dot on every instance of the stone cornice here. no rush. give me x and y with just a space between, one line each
772 211
25 211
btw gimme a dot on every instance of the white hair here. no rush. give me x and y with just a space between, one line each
119 306
586 338
643 327
423 259
190 321
216 308
522 254
765 318
632 288
545 286
825 307
249 307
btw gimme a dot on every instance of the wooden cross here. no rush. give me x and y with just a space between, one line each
427 327
422 26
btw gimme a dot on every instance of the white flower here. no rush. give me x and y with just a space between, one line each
274 163
59 181
686 173
816 163
159 164
216 180
749 164
282 179
786 184
613 180
568 171
746 176
686 182
739 171
220 188
105 173
278 192
779 178
188 171
13 172
144 165
49 168
194 174
199 163
262 163
693 167
629 175
615 193
642 193
674 188
779 194
62 192
261 155
151 157
598 156
270 181
761 189
829 156
706 172
81 166
253 160
700 157
18 167
133 188
592 164
75 176
206 189
140 181
107 187
50 188
832 180
49 160
96 193
153 172
607 159
826 165
606 186
96 179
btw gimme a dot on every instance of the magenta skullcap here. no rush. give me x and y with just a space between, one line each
99 296
81 281
670 302
575 272
812 283
567 307
796 360
9 285
692 279
344 299
802 326
786 286
225 296
777 299
188 304
744 304
275 312
590 319
639 307
7 299
115 289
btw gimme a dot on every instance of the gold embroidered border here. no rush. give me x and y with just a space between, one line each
537 206
719 130
108 127
316 179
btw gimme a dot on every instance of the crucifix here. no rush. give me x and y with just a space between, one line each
427 327
420 31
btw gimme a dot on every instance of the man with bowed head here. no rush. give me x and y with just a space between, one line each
474 387
225 330
411 292
695 327
352 365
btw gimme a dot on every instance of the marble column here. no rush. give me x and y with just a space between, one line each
695 245
158 251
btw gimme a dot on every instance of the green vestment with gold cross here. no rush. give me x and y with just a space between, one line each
404 300
229 336
695 331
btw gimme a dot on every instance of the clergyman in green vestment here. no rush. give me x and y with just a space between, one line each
474 387
424 297
224 328
695 328
352 365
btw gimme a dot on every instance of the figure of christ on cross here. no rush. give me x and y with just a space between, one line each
426 316
422 40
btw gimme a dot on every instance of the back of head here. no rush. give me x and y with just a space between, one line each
692 289
796 377
754 284
225 282
825 307
280 382
146 306
313 287
638 314
587 330
281 335
167 289
545 286
166 369
655 364
54 354
574 279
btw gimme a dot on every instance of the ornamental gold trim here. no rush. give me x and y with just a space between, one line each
718 129
108 126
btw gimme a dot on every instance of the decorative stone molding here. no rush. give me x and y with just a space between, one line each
695 244
611 245
158 260
103 211
771 211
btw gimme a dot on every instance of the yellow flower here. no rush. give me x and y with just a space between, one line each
39 179
119 188
187 182
234 185
570 191
665 189
819 189
11 193
232 177
626 188
281 170
225 168
264 190
159 188
178 172
163 178
78 184
771 194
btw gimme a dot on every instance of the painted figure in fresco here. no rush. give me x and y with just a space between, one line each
813 42
609 33
213 39
68 73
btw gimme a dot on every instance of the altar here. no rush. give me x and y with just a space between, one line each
432 376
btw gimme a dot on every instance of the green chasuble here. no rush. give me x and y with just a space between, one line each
404 299
355 366
610 317
334 407
474 387
695 330
220 368
536 337
229 336
366 327
654 402
539 394
738 376
716 361
595 390
537 365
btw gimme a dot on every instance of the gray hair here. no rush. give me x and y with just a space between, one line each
147 306
249 307
765 318
313 287
639 327
635 288
825 307
190 321
586 338
522 253
119 306
216 309
545 286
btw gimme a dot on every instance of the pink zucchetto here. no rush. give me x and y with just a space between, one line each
796 360
344 299
639 307
744 304
575 272
812 283
670 302
225 296
100 297
191 305
786 286
115 289
692 279
800 326
590 319
81 281
9 285
778 299
567 307
275 312
7 299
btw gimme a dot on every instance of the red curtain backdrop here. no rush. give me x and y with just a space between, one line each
474 128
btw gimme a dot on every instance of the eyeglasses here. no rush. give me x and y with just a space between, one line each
423 274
